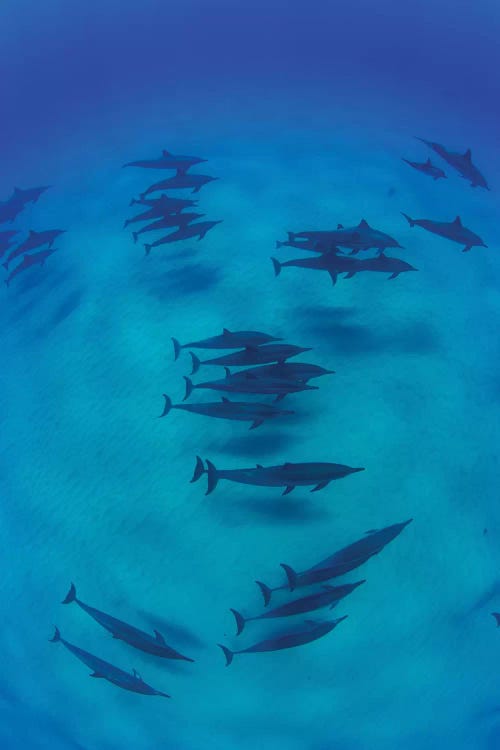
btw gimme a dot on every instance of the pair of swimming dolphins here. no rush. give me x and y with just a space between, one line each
139 639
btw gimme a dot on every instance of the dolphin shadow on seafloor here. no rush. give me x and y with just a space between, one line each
345 337
258 443
284 510
191 278
181 635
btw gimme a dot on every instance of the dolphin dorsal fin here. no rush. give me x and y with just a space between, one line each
259 466
228 372
468 155
159 637
340 226
136 674
225 400
458 221
166 153
225 331
363 223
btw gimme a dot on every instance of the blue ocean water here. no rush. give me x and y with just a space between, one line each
303 112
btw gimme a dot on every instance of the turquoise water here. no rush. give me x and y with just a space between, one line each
96 488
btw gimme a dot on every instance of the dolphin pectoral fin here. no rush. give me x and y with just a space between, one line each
350 274
393 275
467 248
95 674
256 423
288 489
320 486
280 397
333 277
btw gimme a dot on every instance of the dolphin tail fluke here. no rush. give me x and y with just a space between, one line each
199 469
132 202
227 653
57 635
147 249
196 363
240 621
266 592
71 595
277 266
408 219
168 405
212 477
177 348
291 575
189 387
291 236
279 244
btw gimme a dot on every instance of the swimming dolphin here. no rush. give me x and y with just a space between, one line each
34 240
199 229
122 631
382 264
235 410
172 204
329 596
175 220
426 167
287 475
301 371
30 195
313 632
360 237
180 181
125 680
167 161
279 387
227 340
159 210
339 563
311 245
6 240
330 262
35 259
461 162
451 230
252 355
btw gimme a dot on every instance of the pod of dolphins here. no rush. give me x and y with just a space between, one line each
167 212
9 211
258 364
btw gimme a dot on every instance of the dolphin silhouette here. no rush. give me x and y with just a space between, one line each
227 340
426 167
34 240
165 201
122 631
451 230
313 632
329 596
252 356
35 259
174 220
234 410
287 475
181 181
462 163
30 195
199 229
125 680
301 371
167 160
382 264
239 383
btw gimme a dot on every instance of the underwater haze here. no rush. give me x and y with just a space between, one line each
304 113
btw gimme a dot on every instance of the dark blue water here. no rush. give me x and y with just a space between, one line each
303 112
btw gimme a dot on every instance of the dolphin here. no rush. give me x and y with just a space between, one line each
339 563
10 210
313 632
122 631
329 596
253 355
199 229
30 195
235 410
279 387
227 340
34 240
301 371
462 163
360 237
426 167
6 240
167 160
180 181
383 264
159 210
125 680
175 220
35 259
287 475
330 262
172 204
451 230
311 245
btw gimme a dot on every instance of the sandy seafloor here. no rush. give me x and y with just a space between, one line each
96 488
